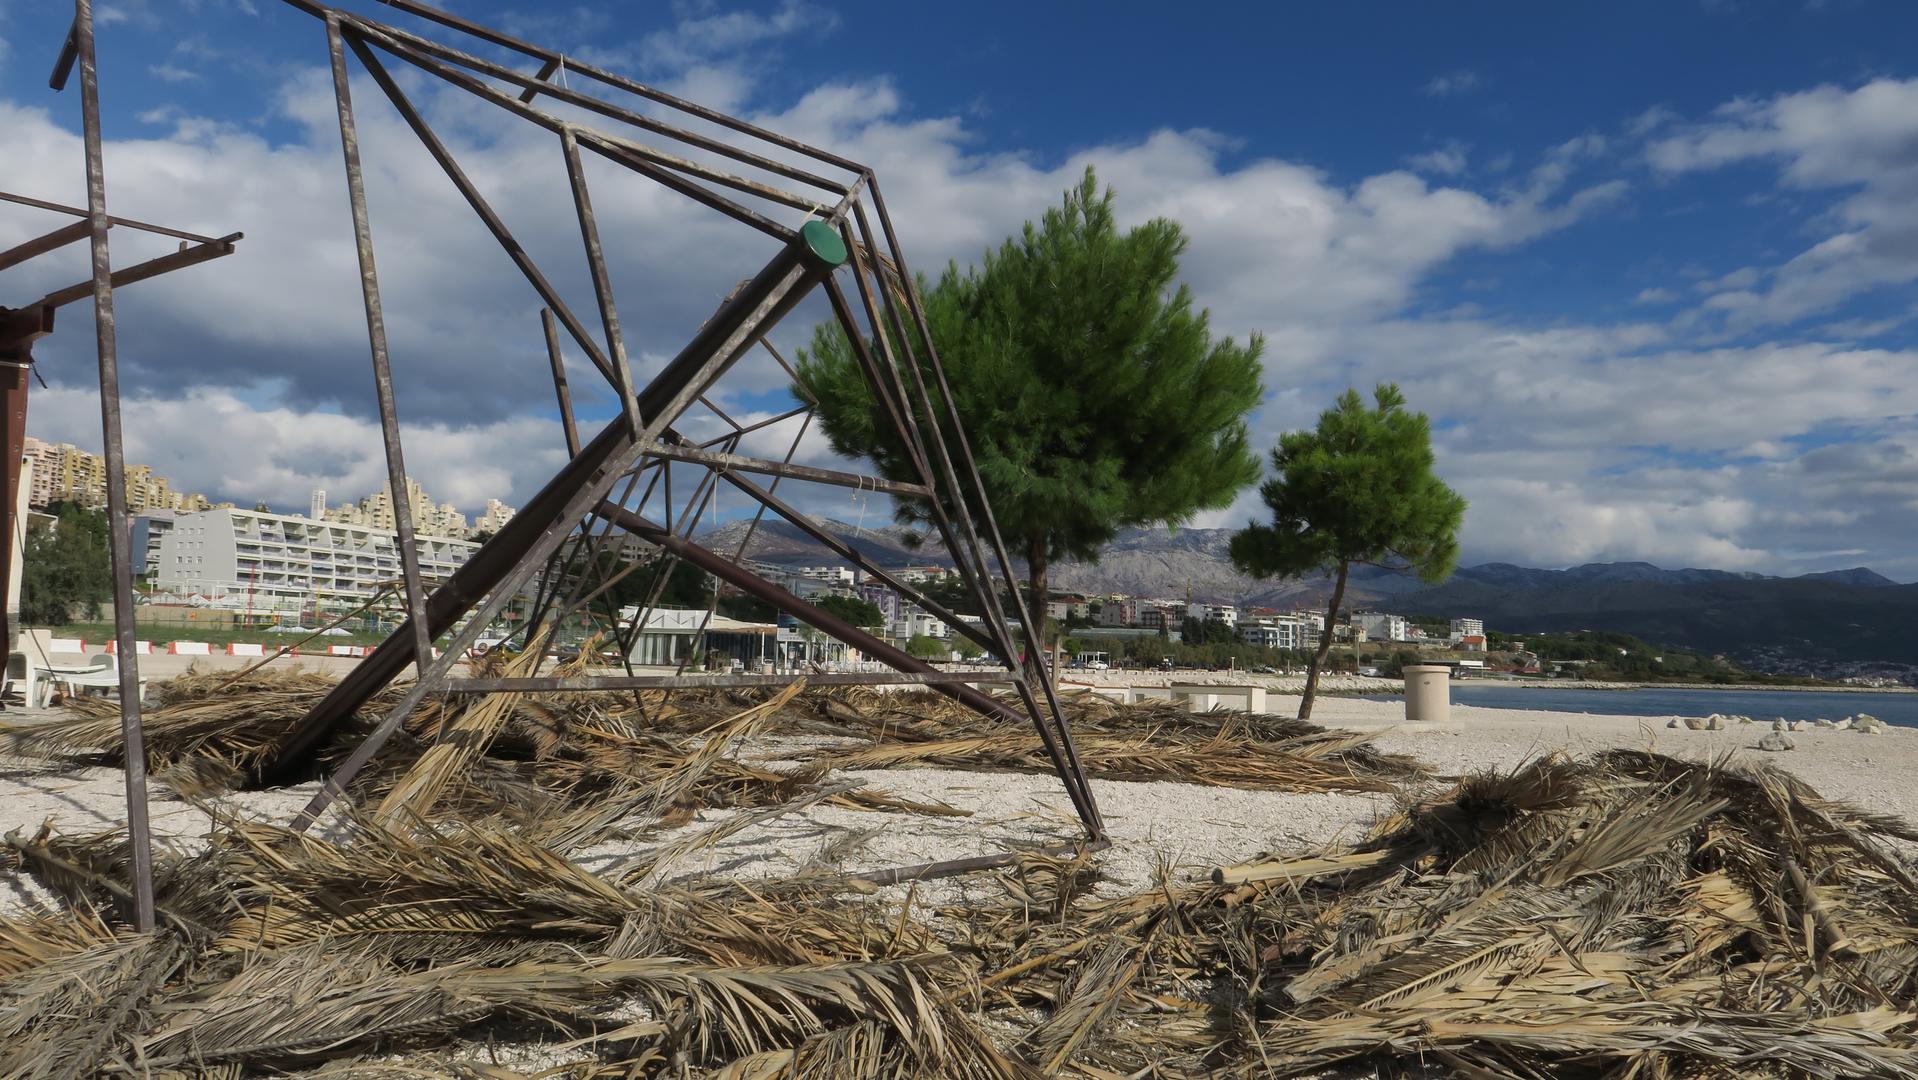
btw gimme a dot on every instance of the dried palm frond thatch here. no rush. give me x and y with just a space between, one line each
1622 917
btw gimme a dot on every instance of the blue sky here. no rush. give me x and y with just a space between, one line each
1648 266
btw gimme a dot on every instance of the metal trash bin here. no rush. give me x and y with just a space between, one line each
1428 693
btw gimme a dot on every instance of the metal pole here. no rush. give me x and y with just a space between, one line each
503 563
602 283
559 381
119 539
382 368
966 457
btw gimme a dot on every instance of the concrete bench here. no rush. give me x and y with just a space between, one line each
1203 698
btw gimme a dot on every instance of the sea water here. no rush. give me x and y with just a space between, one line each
1764 705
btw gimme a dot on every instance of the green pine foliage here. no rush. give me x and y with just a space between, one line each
927 648
863 613
1359 488
1095 396
66 570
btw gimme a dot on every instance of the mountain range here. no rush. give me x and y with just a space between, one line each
1840 621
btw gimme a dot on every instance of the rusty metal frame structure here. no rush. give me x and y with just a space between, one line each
743 172
22 326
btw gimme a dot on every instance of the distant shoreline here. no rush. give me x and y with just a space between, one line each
1593 684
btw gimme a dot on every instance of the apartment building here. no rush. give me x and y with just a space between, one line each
148 530
881 595
1061 608
1468 628
913 622
1119 611
290 564
377 511
63 472
497 515
1295 631
1225 613
1381 627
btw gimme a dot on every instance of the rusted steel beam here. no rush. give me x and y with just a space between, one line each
1078 786
125 223
14 375
602 281
402 496
804 523
546 71
537 85
119 539
468 190
559 381
63 64
539 685
767 467
952 464
658 166
502 564
58 238
621 83
152 268
748 429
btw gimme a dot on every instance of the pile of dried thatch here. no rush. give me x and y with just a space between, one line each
1626 917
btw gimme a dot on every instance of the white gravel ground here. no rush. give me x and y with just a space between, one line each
1188 828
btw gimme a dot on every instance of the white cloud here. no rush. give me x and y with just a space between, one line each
1452 83
1564 436
698 39
1447 160
1862 141
1650 120
1654 296
196 440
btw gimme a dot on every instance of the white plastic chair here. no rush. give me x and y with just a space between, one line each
103 673
28 679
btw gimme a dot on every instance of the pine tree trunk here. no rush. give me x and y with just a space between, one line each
1036 596
1325 646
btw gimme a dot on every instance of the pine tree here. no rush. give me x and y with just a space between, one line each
1095 397
1357 489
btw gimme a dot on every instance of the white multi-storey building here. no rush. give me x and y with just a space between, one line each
286 563
1119 611
1464 628
1225 613
1379 627
913 622
1281 632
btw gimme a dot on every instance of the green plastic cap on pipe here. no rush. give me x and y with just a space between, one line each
823 244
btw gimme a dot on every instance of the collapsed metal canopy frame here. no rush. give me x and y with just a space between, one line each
20 327
730 166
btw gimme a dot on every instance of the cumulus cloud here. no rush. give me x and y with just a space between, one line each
1452 83
1862 142
1447 160
1573 441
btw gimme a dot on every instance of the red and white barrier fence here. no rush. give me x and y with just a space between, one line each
246 648
66 645
140 648
346 650
189 648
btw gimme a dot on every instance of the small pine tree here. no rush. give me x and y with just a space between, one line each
1095 396
1357 489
